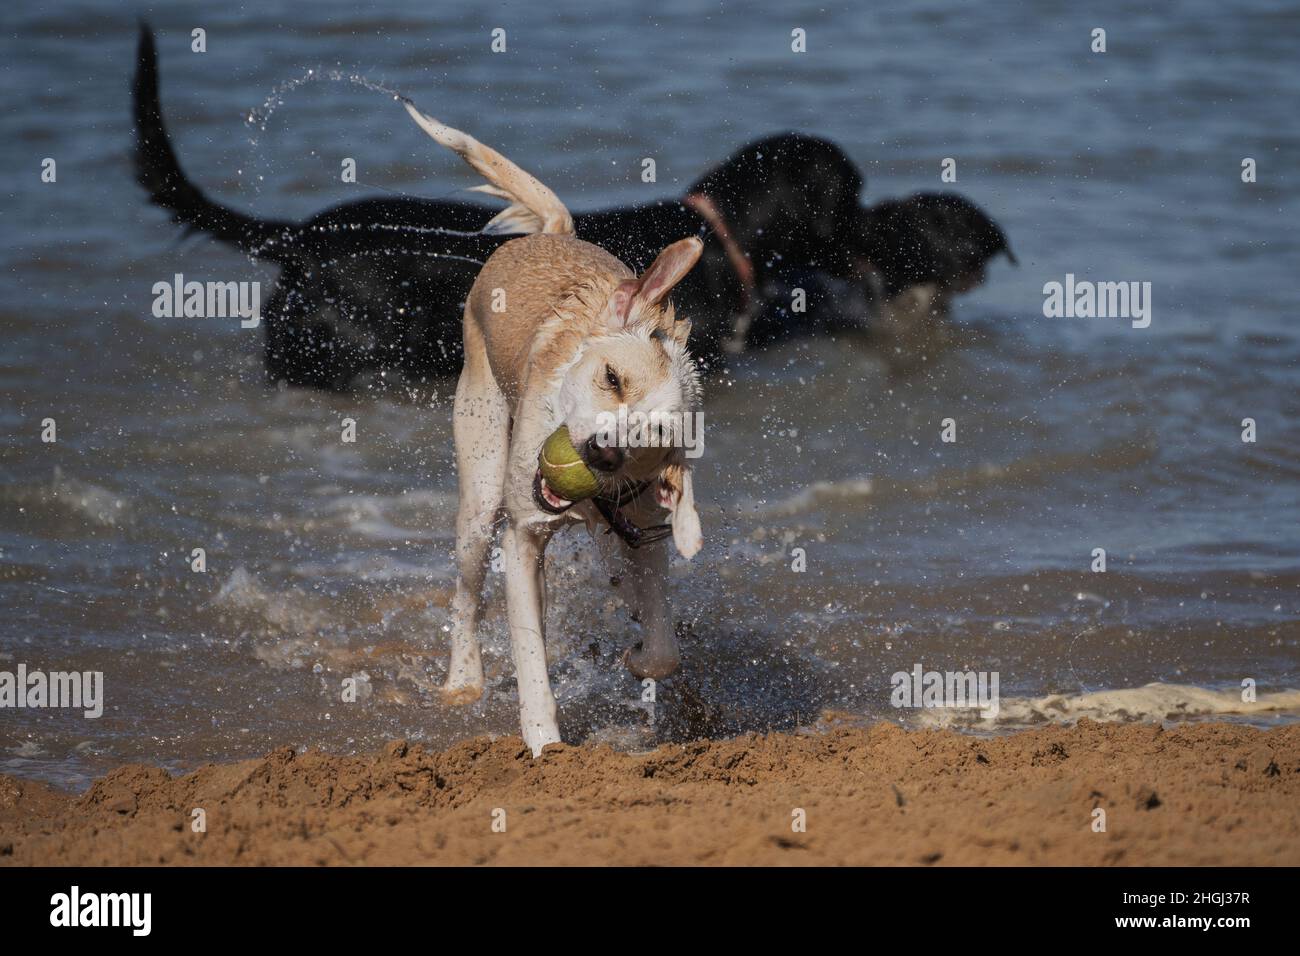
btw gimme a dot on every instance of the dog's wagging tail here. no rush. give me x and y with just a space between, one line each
534 207
159 172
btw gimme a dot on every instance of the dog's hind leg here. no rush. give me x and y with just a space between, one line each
481 425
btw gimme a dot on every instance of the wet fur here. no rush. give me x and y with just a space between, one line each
557 330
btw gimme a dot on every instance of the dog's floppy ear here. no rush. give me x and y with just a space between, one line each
668 269
653 285
676 493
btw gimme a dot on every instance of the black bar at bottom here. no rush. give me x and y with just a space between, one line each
334 906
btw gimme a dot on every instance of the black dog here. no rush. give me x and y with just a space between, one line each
378 285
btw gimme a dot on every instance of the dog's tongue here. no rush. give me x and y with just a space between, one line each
552 499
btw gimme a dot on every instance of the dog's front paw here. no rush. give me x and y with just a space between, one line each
655 665
460 695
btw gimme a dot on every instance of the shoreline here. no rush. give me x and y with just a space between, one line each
1191 794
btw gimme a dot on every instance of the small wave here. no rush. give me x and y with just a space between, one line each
409 516
292 610
374 569
1118 456
99 505
823 492
1151 702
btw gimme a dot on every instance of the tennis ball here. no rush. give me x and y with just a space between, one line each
563 468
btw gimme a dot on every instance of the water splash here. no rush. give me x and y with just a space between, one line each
259 117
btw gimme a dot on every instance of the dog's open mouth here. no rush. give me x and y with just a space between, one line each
547 499
610 509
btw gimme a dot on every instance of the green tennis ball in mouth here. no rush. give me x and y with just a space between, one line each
565 472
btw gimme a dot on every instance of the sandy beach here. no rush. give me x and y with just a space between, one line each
1193 794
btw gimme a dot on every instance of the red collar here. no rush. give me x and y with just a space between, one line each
708 210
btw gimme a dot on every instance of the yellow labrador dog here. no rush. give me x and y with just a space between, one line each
559 332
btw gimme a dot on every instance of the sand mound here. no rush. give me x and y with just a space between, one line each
1195 794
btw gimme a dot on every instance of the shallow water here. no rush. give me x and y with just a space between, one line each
328 560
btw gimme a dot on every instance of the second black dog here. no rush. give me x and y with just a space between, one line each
377 285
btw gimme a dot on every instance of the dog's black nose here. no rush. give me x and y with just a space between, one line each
599 457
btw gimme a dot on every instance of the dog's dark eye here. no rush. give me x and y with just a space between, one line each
611 378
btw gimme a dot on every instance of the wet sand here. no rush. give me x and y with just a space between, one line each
1195 794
